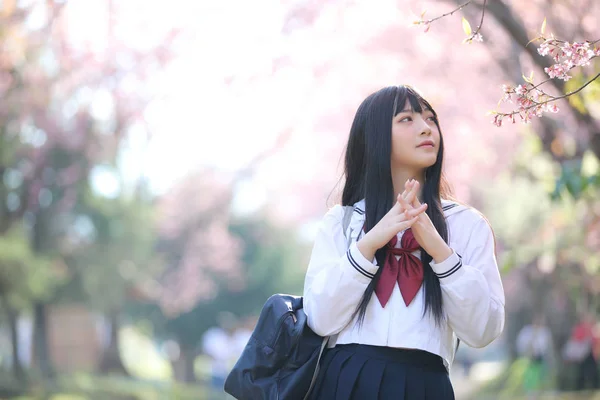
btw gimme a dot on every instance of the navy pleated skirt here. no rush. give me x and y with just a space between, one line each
362 372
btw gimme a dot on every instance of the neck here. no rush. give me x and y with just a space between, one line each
399 178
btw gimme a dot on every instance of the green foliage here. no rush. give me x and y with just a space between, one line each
546 208
511 384
575 178
585 100
272 262
24 276
577 100
116 252
578 178
114 388
93 387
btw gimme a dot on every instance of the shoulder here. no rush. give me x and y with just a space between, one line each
463 214
465 221
334 215
337 213
333 219
339 218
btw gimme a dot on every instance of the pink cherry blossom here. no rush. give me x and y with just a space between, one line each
531 99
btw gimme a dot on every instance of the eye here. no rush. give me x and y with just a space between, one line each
432 118
406 119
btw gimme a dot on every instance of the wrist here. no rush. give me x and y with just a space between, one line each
366 248
441 253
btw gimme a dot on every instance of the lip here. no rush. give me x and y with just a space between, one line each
427 143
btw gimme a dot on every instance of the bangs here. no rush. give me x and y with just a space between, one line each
417 103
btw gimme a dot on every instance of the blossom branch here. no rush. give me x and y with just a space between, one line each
539 105
471 35
531 99
574 91
429 21
476 35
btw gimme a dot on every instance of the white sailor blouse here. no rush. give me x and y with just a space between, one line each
472 292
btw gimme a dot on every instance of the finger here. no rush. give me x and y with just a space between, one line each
416 211
414 201
406 224
411 184
404 204
408 214
404 193
408 186
397 207
410 196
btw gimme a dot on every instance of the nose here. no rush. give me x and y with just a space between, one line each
424 127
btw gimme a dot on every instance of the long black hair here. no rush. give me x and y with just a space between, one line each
368 176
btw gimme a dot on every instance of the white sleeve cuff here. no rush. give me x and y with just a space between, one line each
448 270
360 263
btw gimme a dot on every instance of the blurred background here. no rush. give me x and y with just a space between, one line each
164 167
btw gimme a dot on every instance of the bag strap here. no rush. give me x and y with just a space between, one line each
348 210
316 373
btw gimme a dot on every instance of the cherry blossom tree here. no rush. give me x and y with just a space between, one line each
67 107
558 57
563 150
198 248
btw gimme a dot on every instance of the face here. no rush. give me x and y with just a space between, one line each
415 139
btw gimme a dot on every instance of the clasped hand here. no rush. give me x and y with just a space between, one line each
407 212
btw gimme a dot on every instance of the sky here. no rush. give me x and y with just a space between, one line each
246 72
197 119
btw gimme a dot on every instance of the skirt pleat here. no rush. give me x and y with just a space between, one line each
394 382
416 384
441 391
330 381
368 384
362 372
324 366
349 376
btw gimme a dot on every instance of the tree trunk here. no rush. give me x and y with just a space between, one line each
12 317
41 352
18 370
111 362
188 361
183 367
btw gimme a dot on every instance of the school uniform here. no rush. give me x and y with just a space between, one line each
399 353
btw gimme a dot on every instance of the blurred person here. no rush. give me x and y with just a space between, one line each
242 334
582 350
218 344
534 343
466 363
418 272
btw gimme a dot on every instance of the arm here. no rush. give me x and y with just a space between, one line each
472 292
336 277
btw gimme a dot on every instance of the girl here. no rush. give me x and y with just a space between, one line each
413 273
